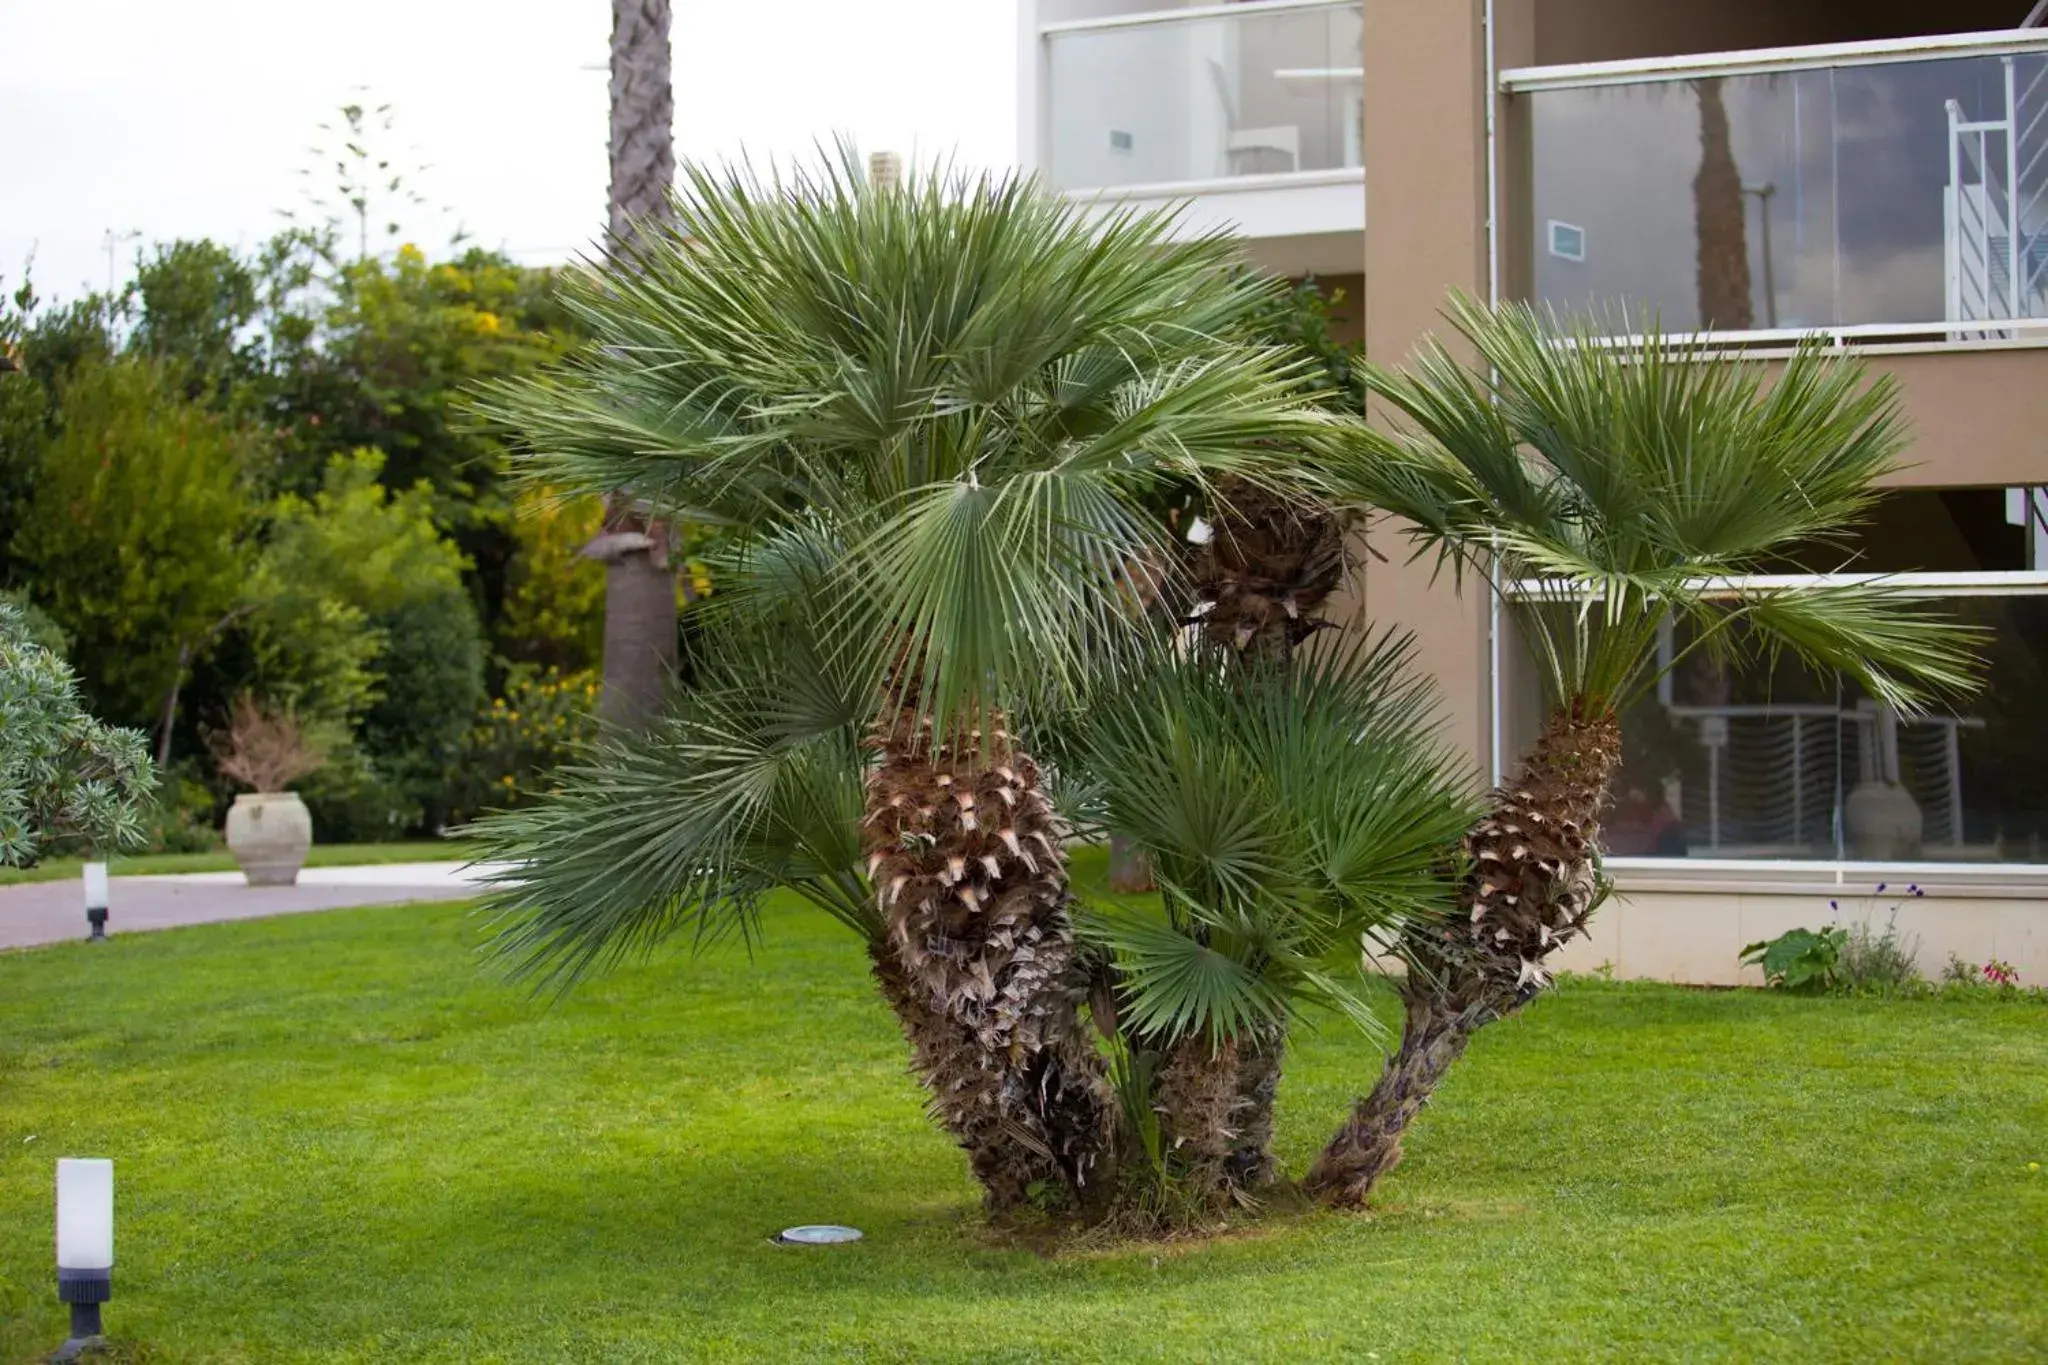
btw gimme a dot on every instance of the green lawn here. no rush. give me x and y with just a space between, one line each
321 855
338 1140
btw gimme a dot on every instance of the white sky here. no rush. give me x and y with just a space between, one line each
194 117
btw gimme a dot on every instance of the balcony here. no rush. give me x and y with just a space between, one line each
1876 193
1250 113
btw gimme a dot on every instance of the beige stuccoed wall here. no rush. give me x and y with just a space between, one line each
1690 924
1977 417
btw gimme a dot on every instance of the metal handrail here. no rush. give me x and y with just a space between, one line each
1770 60
1190 15
1979 583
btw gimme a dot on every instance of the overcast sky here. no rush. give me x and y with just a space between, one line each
194 117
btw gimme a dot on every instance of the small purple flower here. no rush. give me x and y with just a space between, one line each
1834 905
1916 890
1880 888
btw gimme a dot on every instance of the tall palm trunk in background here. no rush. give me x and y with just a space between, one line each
1720 220
1531 885
965 857
640 589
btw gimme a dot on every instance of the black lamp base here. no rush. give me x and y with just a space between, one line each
85 1291
86 1333
97 918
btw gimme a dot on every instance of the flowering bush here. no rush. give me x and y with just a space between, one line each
544 718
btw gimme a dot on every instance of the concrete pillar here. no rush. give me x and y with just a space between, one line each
1425 234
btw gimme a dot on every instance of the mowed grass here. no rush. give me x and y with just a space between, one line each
320 855
338 1137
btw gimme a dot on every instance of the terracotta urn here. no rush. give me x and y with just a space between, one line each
268 833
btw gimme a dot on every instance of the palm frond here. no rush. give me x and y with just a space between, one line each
752 783
1288 813
1640 482
972 384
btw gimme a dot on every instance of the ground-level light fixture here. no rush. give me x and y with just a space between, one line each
96 900
85 1247
817 1235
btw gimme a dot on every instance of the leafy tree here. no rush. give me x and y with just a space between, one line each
63 774
933 413
198 302
362 625
554 600
135 538
1634 485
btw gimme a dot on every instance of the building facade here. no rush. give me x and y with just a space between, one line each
1870 172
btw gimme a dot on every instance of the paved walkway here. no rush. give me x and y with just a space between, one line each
50 912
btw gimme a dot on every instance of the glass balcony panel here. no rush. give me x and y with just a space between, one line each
1898 193
1205 99
1778 761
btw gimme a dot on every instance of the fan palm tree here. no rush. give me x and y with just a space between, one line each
640 585
1631 487
1293 815
934 414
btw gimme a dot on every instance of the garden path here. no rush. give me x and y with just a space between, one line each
51 912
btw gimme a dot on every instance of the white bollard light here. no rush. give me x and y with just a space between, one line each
85 1246
96 899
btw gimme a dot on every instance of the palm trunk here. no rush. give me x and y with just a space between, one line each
1369 1144
1196 1093
1267 570
966 861
1260 1054
640 595
1532 886
1130 871
639 616
1720 220
965 1096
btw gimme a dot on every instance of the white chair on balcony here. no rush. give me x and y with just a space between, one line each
1280 139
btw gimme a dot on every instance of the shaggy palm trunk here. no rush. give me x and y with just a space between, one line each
1720 220
639 588
1196 1094
1269 567
968 870
1532 885
948 1059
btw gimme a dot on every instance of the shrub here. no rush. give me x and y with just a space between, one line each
1879 962
1801 960
184 817
63 774
543 720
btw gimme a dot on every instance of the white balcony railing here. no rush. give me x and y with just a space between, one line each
1870 192
1267 91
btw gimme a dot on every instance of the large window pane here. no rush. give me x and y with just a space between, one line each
1893 193
1781 762
1204 99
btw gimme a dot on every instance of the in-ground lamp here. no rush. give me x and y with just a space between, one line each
85 1247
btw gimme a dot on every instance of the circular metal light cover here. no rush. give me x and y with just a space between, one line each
817 1234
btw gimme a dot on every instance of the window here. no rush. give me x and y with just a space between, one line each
1567 242
1778 761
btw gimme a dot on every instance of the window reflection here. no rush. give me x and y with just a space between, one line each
1905 192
